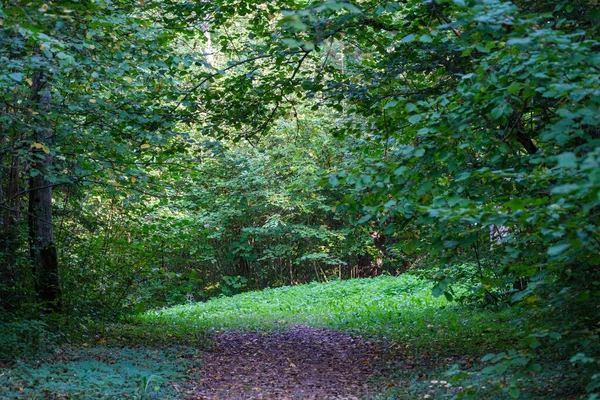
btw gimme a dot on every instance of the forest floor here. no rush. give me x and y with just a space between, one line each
299 363
383 338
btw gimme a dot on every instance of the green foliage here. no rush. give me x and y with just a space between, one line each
99 372
232 285
24 337
473 116
400 308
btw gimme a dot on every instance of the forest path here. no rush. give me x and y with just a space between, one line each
299 363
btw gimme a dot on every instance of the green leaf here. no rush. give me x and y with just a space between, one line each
567 160
352 8
558 249
514 88
408 38
390 229
413 119
535 367
520 361
390 204
364 219
400 170
333 180
518 41
566 188
501 110
451 243
16 76
410 107
390 104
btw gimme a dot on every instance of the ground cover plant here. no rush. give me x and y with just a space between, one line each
396 307
99 372
401 311
429 347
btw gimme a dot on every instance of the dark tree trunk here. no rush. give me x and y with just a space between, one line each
11 214
526 142
41 230
10 218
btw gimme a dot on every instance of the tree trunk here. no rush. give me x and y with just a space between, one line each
10 217
41 230
208 50
526 142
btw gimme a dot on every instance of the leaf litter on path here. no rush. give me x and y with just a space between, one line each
299 363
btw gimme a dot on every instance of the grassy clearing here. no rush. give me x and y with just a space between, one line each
432 347
392 308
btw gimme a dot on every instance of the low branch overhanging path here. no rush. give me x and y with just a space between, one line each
299 363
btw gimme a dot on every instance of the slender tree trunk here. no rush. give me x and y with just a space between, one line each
41 230
11 213
208 50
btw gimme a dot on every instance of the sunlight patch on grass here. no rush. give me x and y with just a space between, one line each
396 308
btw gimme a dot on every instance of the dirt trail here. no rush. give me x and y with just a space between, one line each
300 363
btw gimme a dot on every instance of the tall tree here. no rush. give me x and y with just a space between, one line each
41 229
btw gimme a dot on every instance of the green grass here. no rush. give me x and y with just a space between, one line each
392 308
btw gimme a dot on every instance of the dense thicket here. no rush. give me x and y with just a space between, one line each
159 152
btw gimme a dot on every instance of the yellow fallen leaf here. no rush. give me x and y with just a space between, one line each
145 146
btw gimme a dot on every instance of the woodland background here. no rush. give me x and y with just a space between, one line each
154 153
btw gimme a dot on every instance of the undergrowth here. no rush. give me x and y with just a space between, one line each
100 372
432 348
